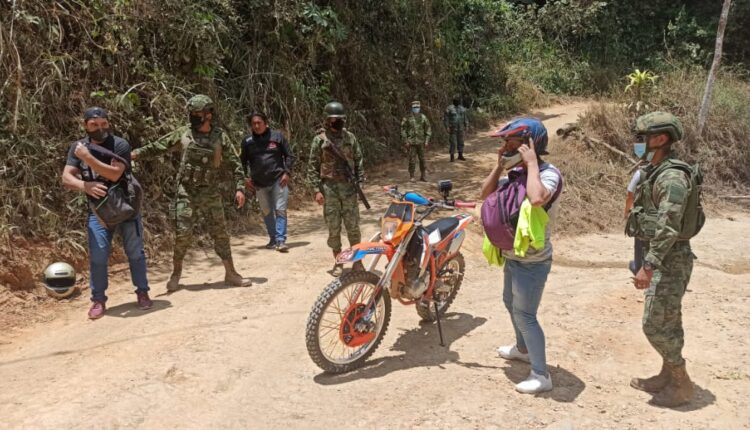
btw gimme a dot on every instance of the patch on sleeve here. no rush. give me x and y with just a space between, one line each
676 194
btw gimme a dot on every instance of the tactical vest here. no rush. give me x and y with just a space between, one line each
331 166
643 221
200 164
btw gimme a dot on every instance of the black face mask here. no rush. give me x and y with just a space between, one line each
196 122
100 135
337 124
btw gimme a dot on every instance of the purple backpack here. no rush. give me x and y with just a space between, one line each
501 208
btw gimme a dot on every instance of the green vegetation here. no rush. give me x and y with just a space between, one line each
143 59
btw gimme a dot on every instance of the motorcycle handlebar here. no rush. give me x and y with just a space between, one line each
469 205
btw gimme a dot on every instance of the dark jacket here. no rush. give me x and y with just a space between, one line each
266 157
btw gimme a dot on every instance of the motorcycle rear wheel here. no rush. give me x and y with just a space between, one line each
332 323
454 279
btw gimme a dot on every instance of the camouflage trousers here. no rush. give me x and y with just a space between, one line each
662 313
341 204
457 141
416 151
202 206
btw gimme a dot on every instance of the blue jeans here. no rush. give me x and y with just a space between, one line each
273 202
100 246
522 293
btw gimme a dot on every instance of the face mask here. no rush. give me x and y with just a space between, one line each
196 122
650 155
510 161
100 135
415 109
337 124
639 149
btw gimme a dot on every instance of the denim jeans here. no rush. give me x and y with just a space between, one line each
522 293
273 202
100 246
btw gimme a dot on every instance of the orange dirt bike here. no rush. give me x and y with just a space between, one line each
424 268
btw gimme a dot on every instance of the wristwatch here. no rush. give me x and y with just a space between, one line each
647 266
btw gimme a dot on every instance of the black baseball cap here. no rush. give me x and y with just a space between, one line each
95 112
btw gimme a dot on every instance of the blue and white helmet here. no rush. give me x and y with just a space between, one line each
528 127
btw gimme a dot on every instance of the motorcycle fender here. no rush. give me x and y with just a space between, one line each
360 250
456 242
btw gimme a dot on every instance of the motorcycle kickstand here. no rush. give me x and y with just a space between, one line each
440 328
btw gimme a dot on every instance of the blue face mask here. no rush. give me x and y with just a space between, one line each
639 149
415 109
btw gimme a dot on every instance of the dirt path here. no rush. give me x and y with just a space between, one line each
209 356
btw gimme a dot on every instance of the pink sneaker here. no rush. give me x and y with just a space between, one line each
144 301
97 310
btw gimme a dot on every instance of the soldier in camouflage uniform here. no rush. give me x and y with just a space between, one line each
657 218
456 121
416 133
209 168
326 174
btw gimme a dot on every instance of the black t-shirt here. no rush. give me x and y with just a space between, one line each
115 144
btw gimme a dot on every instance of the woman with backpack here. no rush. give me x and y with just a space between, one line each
522 175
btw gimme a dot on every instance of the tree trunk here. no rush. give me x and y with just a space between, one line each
703 113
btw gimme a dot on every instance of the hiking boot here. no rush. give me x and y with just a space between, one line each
511 352
231 277
281 246
678 391
144 301
97 310
174 283
338 270
234 279
411 178
653 384
271 244
461 157
422 178
358 266
452 159
535 384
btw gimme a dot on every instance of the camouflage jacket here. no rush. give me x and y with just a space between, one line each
324 164
659 208
455 117
416 129
206 160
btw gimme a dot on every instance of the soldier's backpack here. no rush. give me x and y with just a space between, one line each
501 209
694 217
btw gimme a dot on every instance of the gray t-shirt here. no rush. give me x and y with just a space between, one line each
551 180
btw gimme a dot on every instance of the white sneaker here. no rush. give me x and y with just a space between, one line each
511 352
535 384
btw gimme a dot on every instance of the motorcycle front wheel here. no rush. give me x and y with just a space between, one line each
340 334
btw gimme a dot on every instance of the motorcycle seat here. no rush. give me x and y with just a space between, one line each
444 225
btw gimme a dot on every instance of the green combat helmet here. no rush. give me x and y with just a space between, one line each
200 102
659 122
335 110
60 279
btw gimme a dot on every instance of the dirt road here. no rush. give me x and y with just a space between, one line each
208 356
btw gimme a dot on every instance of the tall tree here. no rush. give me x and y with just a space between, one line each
703 113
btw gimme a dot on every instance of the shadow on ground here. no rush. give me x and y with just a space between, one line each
421 347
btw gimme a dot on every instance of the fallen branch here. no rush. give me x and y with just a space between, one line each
612 149
736 197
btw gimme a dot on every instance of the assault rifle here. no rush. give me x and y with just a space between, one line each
349 173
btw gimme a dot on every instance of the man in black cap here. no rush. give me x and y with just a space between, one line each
93 172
